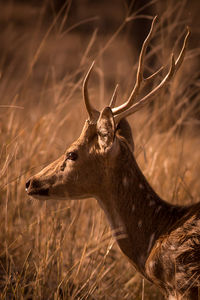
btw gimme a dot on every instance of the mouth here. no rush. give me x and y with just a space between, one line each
41 193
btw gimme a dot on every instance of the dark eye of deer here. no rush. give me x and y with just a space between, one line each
72 155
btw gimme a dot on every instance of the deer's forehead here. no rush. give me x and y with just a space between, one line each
85 139
88 131
87 135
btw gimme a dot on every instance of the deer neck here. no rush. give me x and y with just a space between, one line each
137 215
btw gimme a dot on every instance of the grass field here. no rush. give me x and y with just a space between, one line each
65 250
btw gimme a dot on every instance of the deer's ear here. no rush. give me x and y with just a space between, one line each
106 129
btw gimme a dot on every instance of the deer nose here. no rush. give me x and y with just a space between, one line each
27 184
32 183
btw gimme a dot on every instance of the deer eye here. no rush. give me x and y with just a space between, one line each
72 155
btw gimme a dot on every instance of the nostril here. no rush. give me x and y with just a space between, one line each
27 184
35 183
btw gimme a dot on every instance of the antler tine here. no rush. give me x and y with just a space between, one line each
91 111
183 50
139 77
114 97
174 66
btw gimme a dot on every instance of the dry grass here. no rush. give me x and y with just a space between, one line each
64 250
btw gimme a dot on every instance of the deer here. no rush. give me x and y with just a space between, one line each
160 239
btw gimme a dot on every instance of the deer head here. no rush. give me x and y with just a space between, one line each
85 167
82 169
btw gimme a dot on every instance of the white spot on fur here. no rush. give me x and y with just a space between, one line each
172 297
151 263
158 208
151 242
172 247
140 223
141 186
125 181
151 203
142 259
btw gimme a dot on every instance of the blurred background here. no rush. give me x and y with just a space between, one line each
58 250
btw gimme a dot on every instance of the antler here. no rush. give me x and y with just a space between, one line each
114 97
91 111
139 78
126 109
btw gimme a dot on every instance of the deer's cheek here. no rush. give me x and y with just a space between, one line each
59 191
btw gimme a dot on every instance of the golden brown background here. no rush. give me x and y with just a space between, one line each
65 250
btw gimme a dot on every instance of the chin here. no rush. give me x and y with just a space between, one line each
39 197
